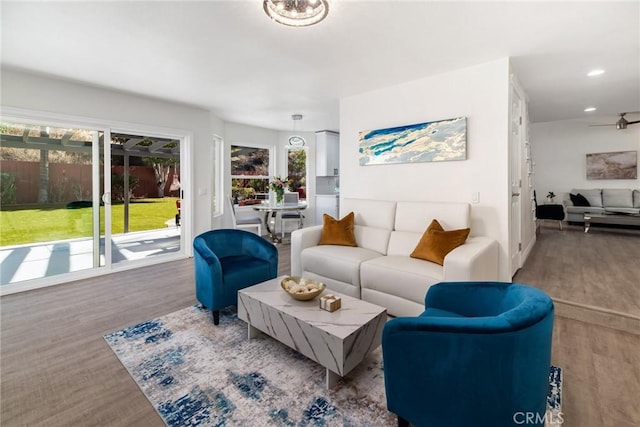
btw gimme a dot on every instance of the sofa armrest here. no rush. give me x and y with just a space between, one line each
300 240
477 259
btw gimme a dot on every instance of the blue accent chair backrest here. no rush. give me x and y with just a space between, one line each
227 260
479 355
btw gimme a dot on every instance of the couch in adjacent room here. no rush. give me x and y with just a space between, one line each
601 200
380 269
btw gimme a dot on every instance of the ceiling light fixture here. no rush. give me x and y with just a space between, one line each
296 13
296 140
594 73
589 109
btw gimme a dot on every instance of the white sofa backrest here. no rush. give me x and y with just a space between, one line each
617 198
416 216
594 196
636 198
373 221
413 218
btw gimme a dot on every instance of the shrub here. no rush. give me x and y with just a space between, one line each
7 188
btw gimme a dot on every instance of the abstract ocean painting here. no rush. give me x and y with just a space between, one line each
439 141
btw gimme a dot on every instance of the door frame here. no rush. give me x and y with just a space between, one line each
20 115
516 150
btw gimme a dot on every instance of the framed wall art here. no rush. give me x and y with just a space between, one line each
613 165
438 141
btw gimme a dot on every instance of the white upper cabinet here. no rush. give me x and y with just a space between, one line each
327 153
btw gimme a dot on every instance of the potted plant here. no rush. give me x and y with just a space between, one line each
551 197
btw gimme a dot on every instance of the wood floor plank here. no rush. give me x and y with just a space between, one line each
600 268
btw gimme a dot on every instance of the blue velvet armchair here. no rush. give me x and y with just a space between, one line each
227 260
479 355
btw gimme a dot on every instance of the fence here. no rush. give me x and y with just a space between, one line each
69 182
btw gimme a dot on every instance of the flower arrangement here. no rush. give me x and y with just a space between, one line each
277 185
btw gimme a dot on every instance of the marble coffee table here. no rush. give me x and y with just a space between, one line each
337 340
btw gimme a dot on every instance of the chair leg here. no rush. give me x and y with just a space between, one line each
402 422
216 317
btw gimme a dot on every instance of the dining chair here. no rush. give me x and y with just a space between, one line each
245 222
291 199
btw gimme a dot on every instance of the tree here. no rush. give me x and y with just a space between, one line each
161 166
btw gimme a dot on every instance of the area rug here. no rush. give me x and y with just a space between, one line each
197 374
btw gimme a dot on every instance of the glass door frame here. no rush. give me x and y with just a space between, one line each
19 115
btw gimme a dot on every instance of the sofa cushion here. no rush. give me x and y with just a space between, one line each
617 197
338 232
436 243
578 200
402 276
594 196
416 216
371 213
623 211
372 238
636 198
373 222
340 263
583 209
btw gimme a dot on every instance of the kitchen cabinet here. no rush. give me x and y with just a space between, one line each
326 204
327 153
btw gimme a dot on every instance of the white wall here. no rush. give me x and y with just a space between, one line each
480 93
559 151
39 93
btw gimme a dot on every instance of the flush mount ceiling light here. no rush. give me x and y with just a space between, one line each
589 109
594 73
296 13
296 140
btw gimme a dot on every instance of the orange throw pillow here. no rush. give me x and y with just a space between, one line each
338 232
436 243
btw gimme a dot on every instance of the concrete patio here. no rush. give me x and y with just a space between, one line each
38 260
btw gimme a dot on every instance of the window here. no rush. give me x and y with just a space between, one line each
249 174
297 170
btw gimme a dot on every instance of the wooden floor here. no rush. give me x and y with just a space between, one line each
600 268
57 370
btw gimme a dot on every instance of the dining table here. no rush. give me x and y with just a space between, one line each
271 211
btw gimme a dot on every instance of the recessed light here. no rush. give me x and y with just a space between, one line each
594 73
589 109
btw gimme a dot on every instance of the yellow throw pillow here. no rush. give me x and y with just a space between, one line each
436 243
338 232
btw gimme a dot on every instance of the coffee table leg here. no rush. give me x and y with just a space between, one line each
332 378
252 332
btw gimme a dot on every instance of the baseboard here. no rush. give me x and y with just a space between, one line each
598 316
527 251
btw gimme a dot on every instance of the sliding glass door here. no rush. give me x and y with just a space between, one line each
76 200
50 200
147 212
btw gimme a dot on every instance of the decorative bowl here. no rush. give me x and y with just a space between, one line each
302 289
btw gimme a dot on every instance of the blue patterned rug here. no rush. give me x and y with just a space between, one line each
197 374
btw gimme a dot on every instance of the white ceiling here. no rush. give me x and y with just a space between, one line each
228 57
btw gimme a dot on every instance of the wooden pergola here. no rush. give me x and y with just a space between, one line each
127 146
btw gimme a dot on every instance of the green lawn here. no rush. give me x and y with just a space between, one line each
41 224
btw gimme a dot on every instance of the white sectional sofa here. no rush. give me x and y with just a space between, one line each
614 200
379 269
